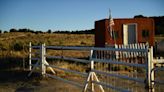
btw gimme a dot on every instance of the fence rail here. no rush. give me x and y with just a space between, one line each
100 63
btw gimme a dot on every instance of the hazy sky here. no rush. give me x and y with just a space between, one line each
71 14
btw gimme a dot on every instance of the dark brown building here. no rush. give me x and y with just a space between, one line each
126 31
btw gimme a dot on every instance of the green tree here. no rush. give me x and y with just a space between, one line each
5 31
13 30
49 31
139 16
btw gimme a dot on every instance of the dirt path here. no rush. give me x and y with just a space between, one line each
17 81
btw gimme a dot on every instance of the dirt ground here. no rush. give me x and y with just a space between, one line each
17 81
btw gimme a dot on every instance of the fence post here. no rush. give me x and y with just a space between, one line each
30 56
150 73
152 68
42 59
92 67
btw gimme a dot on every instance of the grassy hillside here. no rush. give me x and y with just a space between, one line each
9 40
49 39
14 45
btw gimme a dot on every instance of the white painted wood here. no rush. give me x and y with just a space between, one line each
92 67
131 50
52 70
91 76
30 56
42 59
150 72
152 67
101 88
87 81
125 34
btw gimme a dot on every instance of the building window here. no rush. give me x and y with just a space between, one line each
145 33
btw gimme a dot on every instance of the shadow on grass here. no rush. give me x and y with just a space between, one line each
12 74
14 79
19 79
9 62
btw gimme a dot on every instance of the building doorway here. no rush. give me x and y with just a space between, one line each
129 33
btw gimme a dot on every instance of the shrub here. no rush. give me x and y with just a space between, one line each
5 31
18 46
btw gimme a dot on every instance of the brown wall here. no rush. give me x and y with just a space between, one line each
102 36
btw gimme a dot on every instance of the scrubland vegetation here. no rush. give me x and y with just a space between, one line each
14 45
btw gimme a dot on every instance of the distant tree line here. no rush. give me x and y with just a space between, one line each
24 30
159 23
91 31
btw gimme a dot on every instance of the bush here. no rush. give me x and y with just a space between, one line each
13 30
18 46
5 31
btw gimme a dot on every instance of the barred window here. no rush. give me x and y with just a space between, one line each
145 33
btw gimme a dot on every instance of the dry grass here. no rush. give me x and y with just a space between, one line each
9 40
159 38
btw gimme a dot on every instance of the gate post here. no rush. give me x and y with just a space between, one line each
42 59
30 56
92 75
150 72
92 67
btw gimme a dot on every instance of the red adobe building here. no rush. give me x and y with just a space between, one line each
126 31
